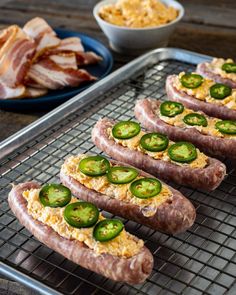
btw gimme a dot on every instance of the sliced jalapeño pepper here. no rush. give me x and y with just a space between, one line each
145 188
195 119
220 91
171 108
81 214
107 230
125 129
191 80
121 174
154 142
229 67
54 195
94 166
226 126
183 152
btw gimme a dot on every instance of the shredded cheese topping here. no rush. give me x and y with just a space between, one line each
121 192
124 245
203 92
134 144
208 130
216 67
138 13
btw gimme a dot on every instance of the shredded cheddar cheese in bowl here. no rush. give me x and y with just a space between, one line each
138 13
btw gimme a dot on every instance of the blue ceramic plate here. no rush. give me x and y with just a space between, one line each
56 97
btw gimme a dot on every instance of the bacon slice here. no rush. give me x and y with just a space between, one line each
73 44
43 34
31 92
47 41
37 27
15 56
48 74
5 34
7 92
65 60
87 58
70 44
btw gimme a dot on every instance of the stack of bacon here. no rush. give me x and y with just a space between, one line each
34 59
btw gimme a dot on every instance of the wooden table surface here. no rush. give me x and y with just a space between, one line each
209 27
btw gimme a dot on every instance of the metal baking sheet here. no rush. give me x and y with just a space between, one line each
199 261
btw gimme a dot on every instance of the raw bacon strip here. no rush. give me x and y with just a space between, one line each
37 27
7 92
47 41
71 44
48 74
31 92
65 60
15 56
43 34
31 83
87 58
5 34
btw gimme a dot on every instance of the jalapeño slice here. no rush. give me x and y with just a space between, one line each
107 230
125 129
226 126
145 188
229 67
81 214
121 174
154 142
54 195
171 108
220 91
94 166
195 119
183 152
191 80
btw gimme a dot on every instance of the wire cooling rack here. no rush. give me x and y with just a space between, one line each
199 261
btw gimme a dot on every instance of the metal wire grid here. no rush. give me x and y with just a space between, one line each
201 260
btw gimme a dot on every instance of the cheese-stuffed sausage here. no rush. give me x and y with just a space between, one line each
124 258
130 193
220 70
211 135
203 172
200 98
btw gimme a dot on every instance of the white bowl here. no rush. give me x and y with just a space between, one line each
137 40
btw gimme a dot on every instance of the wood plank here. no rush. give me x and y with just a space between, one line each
209 14
214 13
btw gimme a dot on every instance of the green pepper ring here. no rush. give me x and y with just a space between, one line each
137 186
229 67
220 91
179 108
176 158
62 198
87 169
104 230
112 170
81 222
117 129
151 148
191 81
219 125
202 120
